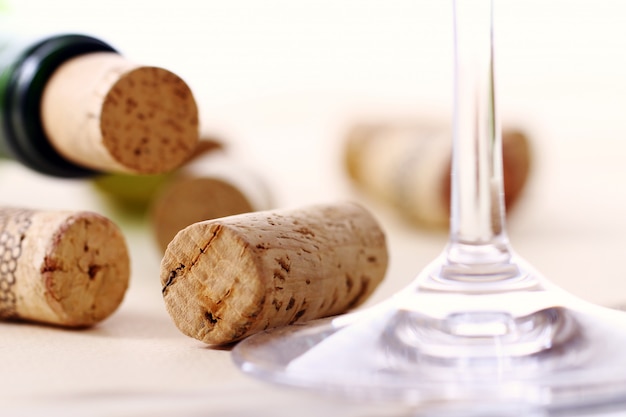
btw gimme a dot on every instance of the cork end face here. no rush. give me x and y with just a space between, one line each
149 121
211 294
86 270
186 201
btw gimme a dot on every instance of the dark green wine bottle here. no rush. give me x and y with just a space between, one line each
25 67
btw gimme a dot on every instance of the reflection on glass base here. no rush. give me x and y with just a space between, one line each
534 345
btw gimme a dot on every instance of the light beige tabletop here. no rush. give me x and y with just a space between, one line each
281 82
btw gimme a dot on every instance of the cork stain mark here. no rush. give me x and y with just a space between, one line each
50 265
360 295
172 276
172 124
279 280
231 330
349 283
181 93
301 312
284 263
216 230
48 270
223 298
277 304
210 318
279 275
131 105
305 231
93 271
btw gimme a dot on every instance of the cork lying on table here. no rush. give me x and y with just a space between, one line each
103 112
229 278
64 268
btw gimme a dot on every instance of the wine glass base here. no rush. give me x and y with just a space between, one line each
538 346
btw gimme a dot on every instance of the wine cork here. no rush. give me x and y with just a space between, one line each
210 186
105 113
228 278
66 268
407 165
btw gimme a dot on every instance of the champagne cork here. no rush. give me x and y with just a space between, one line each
229 278
64 268
210 186
105 113
407 165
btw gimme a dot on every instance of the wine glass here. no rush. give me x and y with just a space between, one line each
478 327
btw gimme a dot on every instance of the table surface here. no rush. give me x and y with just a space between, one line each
281 84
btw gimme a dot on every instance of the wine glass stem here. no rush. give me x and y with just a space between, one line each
477 201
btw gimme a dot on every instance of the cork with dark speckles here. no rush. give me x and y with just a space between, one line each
228 278
66 268
104 112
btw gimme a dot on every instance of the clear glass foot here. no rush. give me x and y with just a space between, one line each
478 332
535 345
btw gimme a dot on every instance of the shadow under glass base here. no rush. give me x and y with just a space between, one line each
480 345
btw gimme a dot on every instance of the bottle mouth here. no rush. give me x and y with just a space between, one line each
20 115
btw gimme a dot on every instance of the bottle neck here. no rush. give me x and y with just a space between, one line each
23 77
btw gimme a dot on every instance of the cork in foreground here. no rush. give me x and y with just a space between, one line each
64 268
229 278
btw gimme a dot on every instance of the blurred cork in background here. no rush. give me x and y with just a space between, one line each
406 165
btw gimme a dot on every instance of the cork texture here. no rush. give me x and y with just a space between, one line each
106 113
60 267
228 278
